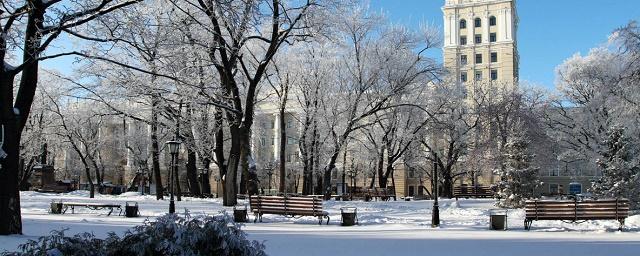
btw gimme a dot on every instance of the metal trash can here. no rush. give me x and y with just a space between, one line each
349 216
240 215
498 220
131 209
56 207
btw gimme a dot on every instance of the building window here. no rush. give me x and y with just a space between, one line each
479 58
494 75
478 75
273 124
263 141
492 37
477 23
554 172
291 141
289 124
492 21
463 59
463 76
477 39
463 40
575 188
463 24
494 57
273 141
553 188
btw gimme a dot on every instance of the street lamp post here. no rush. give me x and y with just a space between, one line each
352 174
435 212
174 147
269 172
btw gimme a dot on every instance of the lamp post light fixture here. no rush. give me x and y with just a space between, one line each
174 147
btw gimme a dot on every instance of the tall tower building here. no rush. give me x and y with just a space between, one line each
480 40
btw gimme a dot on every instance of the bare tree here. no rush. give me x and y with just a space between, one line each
39 32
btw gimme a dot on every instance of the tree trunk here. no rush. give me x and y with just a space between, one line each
206 184
219 152
98 178
176 175
373 180
230 178
87 171
382 181
27 172
155 148
319 186
447 182
11 222
192 172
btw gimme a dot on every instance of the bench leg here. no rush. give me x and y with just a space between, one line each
621 224
527 224
328 218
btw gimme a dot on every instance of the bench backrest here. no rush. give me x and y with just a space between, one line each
577 210
472 190
293 205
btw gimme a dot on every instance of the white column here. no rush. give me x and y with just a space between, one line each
509 28
471 27
447 31
502 26
455 24
485 27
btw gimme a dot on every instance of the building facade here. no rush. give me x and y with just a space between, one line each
480 42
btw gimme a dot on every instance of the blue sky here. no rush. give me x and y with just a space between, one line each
549 31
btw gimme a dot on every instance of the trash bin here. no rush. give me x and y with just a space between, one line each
131 209
349 216
240 215
56 207
498 220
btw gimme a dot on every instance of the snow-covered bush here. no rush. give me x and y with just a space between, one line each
168 235
518 179
620 171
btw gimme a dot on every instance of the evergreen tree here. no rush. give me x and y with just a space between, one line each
519 178
620 172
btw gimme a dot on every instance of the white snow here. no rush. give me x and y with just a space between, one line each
386 228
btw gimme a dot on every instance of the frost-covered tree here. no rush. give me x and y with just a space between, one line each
29 29
598 107
620 170
519 178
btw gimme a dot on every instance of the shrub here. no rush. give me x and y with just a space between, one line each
168 235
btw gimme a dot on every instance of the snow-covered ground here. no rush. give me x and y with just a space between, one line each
386 228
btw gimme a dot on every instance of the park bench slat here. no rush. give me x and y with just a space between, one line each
573 210
288 206
93 206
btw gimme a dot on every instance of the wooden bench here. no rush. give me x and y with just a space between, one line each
289 206
92 206
472 192
576 211
54 188
383 194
